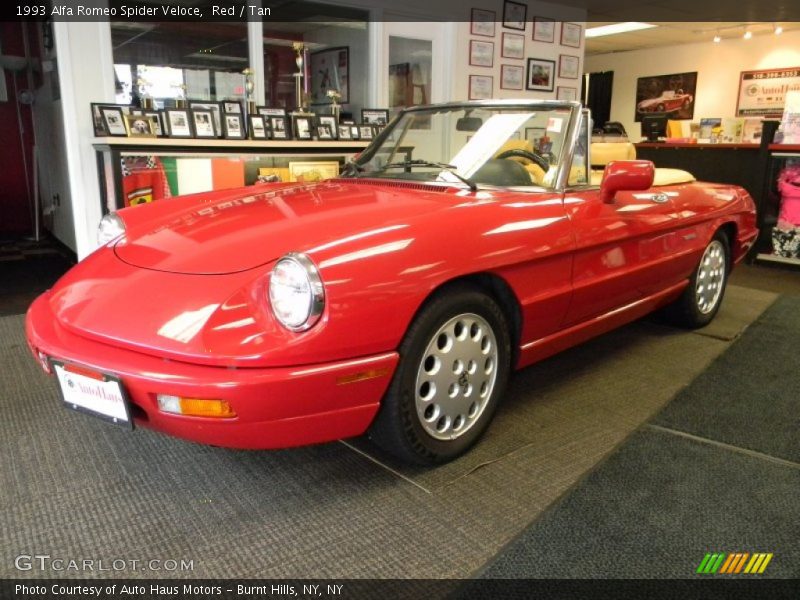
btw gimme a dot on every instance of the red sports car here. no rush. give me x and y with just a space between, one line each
669 101
395 299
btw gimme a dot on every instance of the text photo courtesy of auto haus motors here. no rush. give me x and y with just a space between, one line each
354 300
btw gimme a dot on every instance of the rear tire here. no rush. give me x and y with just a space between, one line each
700 301
453 369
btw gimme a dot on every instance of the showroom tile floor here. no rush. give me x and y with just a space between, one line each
336 510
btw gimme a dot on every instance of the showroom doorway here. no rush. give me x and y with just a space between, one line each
411 67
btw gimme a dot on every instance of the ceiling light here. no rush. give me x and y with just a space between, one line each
778 30
615 28
748 34
717 39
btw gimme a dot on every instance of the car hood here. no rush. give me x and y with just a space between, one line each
245 229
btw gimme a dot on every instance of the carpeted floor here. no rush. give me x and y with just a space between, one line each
28 268
717 470
75 486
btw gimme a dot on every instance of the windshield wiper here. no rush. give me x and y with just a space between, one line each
426 163
351 167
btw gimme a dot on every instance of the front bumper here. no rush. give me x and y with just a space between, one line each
275 407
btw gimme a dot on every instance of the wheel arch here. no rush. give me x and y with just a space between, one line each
495 287
730 229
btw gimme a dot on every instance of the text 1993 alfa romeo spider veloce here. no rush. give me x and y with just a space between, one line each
395 299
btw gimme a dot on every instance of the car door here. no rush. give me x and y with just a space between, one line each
622 248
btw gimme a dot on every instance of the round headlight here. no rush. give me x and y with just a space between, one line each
296 294
111 227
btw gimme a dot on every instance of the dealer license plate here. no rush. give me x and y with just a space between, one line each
92 392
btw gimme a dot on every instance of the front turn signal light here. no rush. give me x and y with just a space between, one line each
195 407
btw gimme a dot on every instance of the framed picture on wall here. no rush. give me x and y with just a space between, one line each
512 77
674 93
514 15
481 87
513 46
482 22
330 70
541 75
571 34
568 66
481 54
544 29
566 93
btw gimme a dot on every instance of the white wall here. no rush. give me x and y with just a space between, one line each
718 68
86 73
533 49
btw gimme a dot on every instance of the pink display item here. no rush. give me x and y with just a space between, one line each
789 188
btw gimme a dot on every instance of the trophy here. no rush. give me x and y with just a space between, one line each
249 88
336 108
300 78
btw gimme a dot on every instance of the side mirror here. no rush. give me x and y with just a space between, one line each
624 175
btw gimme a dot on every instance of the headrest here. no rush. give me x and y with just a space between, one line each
603 153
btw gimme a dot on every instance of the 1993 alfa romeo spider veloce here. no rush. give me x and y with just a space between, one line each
468 240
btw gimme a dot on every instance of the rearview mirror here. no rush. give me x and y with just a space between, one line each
624 175
469 124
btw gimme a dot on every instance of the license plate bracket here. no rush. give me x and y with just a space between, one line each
93 392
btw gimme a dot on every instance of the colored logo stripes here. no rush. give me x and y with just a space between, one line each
734 563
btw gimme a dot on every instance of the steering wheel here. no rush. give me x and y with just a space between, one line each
531 156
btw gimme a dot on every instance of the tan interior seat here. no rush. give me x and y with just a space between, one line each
603 153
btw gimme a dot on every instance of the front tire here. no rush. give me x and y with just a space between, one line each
454 366
700 301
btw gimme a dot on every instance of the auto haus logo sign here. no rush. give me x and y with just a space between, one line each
734 563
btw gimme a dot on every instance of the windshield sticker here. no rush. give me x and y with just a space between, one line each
554 124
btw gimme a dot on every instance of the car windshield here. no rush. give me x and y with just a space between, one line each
477 145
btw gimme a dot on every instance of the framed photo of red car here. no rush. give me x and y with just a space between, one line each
544 29
481 54
541 75
481 87
757 97
482 22
569 66
513 46
673 95
571 35
512 77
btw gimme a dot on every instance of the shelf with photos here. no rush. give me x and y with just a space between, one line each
138 169
231 120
